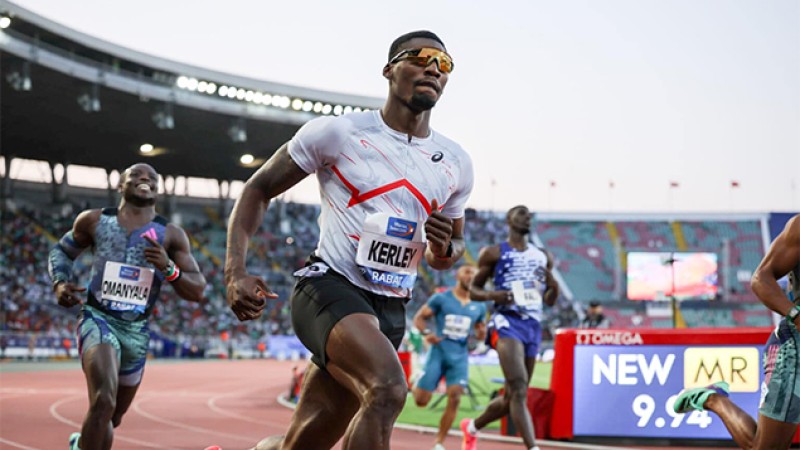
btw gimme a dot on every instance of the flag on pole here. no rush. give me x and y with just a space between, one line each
552 183
611 184
674 184
734 184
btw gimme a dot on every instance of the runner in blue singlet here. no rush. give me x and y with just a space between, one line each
456 317
523 284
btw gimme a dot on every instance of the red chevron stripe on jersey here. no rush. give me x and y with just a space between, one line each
357 197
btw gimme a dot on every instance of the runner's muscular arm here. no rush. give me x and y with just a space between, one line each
487 259
779 260
276 176
83 228
246 294
421 318
191 283
62 255
420 322
551 292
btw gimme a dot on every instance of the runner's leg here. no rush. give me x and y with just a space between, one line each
767 434
125 395
364 361
454 393
322 415
101 367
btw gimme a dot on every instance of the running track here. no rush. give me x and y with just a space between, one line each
181 405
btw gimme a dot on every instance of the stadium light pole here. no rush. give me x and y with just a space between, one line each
673 299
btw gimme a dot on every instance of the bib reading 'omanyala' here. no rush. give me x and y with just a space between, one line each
122 282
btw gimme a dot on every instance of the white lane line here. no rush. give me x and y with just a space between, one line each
54 412
212 404
137 407
17 444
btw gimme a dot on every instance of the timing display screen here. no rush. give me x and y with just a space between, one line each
629 390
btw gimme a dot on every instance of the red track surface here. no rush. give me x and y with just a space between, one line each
182 405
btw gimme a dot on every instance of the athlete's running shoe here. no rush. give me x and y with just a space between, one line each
470 441
695 398
214 447
73 441
438 446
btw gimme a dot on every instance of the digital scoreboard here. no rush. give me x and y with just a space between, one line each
623 383
630 391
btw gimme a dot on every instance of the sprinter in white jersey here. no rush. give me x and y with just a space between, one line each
393 191
523 284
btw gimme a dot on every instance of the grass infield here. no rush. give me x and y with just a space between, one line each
482 384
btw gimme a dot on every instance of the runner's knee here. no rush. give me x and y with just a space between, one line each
104 402
454 397
518 389
386 398
421 398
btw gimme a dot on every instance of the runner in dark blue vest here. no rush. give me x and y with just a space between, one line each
523 283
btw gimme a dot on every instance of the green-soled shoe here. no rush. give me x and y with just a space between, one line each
73 441
695 398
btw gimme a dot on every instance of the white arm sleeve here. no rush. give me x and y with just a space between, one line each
457 203
316 144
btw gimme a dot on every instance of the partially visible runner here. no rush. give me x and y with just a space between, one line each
523 283
392 192
779 409
455 317
135 251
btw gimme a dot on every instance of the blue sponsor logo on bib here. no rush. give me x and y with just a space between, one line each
129 273
403 229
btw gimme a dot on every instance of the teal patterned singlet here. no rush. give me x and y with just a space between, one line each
123 284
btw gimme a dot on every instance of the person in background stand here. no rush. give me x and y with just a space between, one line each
595 317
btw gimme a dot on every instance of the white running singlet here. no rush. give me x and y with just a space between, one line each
376 189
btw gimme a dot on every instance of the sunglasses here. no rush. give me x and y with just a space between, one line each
423 57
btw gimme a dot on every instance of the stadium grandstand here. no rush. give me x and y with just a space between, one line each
76 110
106 107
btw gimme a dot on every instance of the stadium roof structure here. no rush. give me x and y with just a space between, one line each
66 97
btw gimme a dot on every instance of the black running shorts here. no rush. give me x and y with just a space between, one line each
319 302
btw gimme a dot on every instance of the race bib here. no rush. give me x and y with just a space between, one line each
126 287
389 250
526 294
456 327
